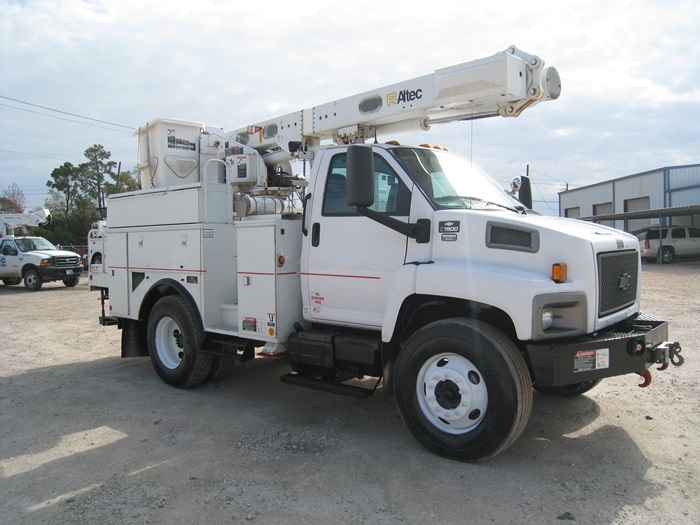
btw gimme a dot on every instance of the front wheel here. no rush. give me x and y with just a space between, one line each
463 389
173 343
12 281
32 280
71 281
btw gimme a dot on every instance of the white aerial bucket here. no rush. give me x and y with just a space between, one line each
169 152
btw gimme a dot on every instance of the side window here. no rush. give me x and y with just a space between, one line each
391 196
678 233
654 234
8 248
694 232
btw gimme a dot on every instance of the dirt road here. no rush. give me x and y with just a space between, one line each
86 437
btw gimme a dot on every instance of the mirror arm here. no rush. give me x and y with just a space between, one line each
420 230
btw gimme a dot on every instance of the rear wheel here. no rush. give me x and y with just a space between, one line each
463 389
568 390
32 280
12 281
220 367
71 281
667 255
173 343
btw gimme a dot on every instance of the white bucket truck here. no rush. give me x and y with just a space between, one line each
404 264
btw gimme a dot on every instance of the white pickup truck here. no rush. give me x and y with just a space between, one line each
36 261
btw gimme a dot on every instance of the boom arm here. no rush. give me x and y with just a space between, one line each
8 222
504 84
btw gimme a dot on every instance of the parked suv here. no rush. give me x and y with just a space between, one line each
677 241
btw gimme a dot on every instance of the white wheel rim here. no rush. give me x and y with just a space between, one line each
169 345
452 393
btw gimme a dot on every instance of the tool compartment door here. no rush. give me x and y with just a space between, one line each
256 280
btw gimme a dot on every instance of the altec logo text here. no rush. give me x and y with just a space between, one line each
403 96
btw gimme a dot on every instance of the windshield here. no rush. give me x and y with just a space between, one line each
36 243
451 181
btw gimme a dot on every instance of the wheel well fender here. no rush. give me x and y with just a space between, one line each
26 268
161 289
418 311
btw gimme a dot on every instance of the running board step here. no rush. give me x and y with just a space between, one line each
327 386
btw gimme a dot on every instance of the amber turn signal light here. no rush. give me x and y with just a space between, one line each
559 272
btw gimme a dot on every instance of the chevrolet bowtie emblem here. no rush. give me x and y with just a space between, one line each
624 281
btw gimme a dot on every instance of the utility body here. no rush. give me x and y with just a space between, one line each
404 264
34 260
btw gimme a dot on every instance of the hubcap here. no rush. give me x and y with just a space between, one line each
169 343
452 393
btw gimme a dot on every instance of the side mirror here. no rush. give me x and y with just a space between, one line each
360 175
525 192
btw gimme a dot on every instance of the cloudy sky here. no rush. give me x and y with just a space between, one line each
76 73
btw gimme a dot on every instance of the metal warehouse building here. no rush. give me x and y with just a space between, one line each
621 202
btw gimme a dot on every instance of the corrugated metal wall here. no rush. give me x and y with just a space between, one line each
664 187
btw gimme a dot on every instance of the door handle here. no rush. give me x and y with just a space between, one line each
303 216
316 234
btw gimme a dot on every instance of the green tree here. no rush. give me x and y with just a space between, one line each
65 188
123 181
72 210
95 172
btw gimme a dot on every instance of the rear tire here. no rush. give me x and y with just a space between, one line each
32 280
568 390
667 255
220 367
96 259
71 282
173 343
463 389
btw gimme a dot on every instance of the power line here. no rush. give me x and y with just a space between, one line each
61 118
66 113
33 155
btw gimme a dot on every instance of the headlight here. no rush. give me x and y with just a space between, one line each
45 262
547 318
558 315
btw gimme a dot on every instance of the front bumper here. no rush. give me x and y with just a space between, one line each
630 346
54 273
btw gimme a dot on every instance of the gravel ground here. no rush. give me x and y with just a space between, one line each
86 437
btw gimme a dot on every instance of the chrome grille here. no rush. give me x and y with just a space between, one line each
618 273
66 261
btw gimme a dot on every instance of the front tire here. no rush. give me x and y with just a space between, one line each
463 389
173 343
12 281
32 280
